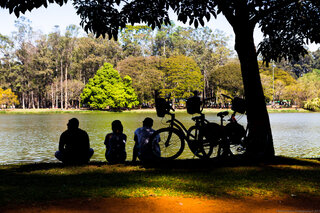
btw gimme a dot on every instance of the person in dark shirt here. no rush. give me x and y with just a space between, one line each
116 144
74 145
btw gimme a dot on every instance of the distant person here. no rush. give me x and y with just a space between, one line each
116 144
74 146
143 147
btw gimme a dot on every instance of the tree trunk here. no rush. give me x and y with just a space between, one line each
66 89
32 100
29 100
260 142
52 96
61 84
56 93
23 101
38 101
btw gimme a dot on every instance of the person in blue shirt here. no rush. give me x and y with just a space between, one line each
74 145
116 144
144 149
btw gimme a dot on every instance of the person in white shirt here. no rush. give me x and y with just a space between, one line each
144 149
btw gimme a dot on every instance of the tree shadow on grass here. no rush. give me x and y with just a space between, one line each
233 161
232 179
190 164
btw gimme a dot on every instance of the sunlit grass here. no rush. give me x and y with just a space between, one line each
45 182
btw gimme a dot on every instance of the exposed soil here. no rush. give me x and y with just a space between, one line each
172 204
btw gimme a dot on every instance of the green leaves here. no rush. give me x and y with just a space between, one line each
182 76
287 28
7 98
145 73
18 6
107 90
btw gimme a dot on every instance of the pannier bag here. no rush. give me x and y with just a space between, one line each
162 107
238 105
193 105
213 133
235 132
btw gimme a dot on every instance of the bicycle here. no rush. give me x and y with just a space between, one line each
233 139
200 136
173 137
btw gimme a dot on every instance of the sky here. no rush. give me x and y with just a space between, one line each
44 19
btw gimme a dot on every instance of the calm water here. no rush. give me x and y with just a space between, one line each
34 137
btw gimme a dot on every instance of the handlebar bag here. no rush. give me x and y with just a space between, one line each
239 105
162 107
193 105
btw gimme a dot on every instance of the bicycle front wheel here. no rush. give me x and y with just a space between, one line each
169 141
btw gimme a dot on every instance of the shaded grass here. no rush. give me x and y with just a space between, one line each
283 177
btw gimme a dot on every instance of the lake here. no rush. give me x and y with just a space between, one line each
27 138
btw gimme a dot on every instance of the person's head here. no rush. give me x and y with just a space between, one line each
148 122
117 126
73 123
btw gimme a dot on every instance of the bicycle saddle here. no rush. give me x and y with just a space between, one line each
222 114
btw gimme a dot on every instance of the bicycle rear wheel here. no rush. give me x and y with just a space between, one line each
198 143
236 136
237 149
171 143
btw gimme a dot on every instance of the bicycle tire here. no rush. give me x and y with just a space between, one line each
199 144
171 143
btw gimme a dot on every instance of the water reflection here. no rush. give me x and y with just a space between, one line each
34 138
296 134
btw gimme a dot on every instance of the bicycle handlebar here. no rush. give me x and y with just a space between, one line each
226 96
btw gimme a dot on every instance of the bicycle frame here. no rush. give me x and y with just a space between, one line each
174 123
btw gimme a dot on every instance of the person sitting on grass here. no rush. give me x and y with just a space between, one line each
74 145
116 144
144 149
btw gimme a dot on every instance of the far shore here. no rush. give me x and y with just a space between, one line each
153 110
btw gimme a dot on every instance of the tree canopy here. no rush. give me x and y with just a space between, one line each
7 98
183 76
107 90
145 73
286 25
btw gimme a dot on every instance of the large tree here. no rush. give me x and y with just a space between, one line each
107 90
7 98
286 25
146 76
182 76
227 79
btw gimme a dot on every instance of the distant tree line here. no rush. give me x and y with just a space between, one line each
59 70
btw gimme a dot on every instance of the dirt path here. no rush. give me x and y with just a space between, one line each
172 204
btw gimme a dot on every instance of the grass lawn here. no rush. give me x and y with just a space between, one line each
236 179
